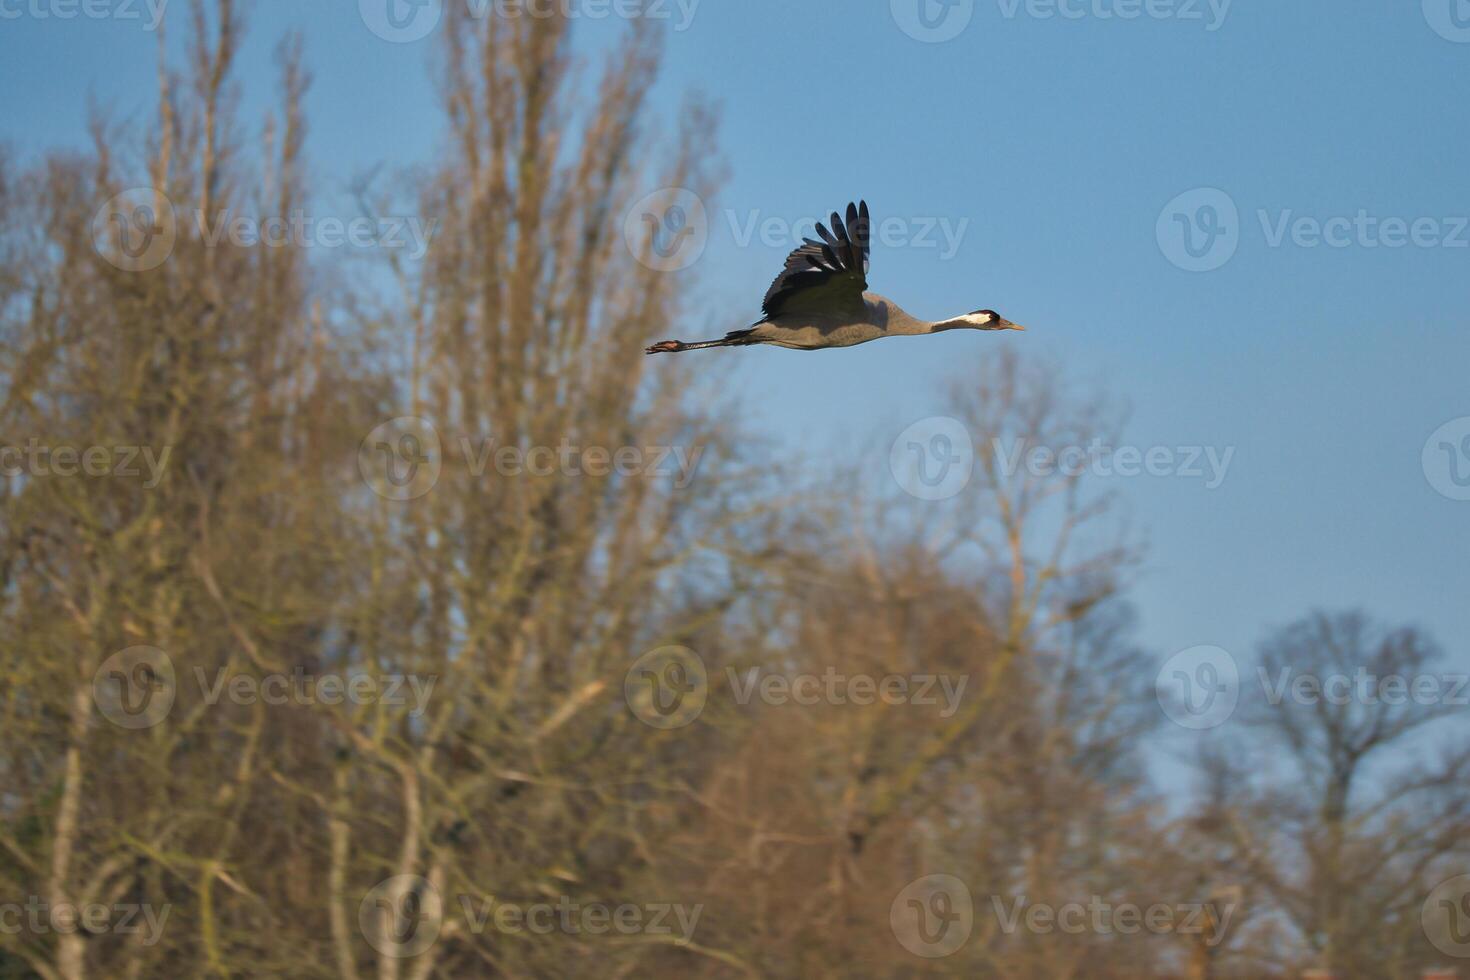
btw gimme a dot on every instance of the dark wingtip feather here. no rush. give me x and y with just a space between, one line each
843 250
857 234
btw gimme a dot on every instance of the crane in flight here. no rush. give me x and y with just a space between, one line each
821 300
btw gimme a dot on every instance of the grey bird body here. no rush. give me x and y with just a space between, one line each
881 317
821 300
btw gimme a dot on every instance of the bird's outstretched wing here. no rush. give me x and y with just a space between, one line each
827 276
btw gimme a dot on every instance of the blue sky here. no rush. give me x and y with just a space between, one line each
1059 140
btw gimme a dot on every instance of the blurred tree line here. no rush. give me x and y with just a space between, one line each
357 839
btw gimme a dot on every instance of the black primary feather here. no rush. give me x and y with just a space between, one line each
839 260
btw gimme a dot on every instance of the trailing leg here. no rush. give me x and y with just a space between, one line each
736 338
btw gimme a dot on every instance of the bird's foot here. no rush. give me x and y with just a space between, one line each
665 347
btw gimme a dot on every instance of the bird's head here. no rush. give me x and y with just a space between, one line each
988 320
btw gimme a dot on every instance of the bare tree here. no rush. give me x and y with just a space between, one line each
1346 838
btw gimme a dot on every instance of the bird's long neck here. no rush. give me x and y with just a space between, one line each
899 322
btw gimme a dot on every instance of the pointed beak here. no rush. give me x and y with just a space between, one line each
1014 326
